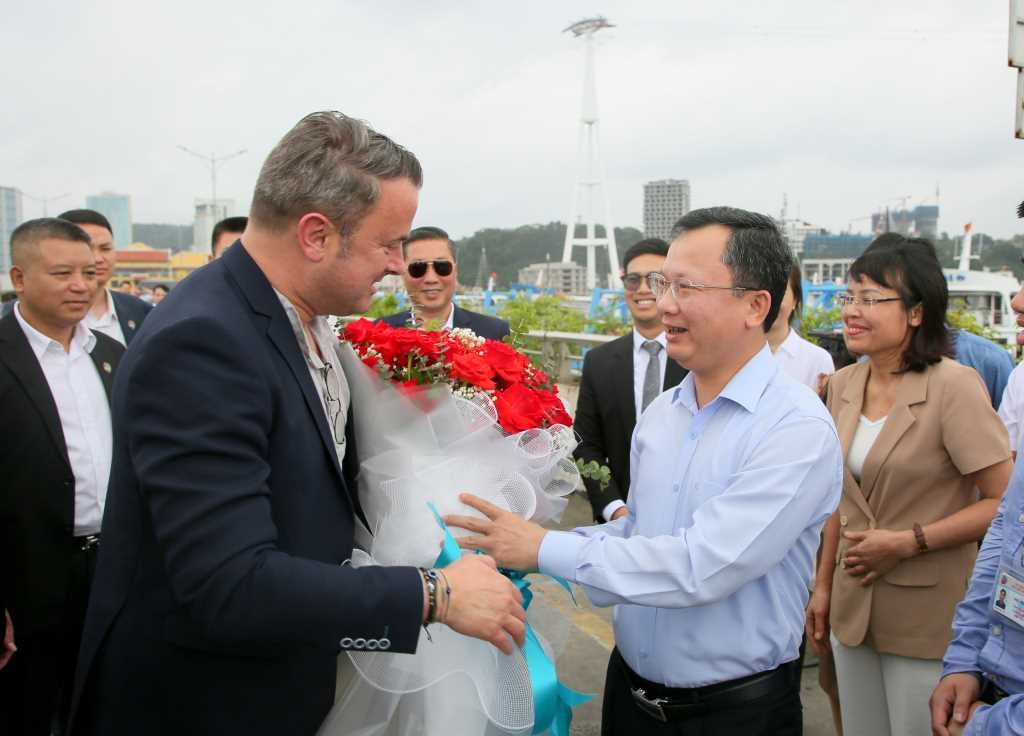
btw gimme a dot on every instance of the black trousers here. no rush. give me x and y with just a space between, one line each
778 714
35 686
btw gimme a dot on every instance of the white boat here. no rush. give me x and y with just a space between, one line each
986 294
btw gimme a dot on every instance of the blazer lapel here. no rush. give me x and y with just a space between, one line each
105 361
852 403
913 389
621 376
261 297
16 352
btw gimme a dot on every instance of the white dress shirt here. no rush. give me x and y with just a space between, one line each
1011 408
108 323
710 568
640 360
804 360
84 413
319 369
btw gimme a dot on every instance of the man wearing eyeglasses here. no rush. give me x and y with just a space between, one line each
621 378
733 475
430 276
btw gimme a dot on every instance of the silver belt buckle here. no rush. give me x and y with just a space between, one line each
651 707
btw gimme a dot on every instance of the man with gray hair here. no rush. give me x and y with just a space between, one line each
222 600
732 476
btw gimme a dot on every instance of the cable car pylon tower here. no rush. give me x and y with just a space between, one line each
590 190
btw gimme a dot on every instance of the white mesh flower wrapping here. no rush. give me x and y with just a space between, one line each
428 448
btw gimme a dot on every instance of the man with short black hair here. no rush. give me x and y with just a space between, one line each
430 276
114 312
226 232
55 381
620 378
117 314
733 476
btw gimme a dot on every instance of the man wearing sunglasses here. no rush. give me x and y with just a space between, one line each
430 276
621 378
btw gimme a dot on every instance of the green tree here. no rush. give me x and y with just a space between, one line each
382 306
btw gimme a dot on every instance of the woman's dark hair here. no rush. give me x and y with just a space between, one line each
796 283
910 267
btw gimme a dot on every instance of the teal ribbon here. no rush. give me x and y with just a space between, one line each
552 701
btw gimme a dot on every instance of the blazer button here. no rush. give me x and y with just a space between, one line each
359 643
843 520
345 643
385 643
372 644
871 525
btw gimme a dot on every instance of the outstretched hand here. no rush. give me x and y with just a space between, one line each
513 542
484 603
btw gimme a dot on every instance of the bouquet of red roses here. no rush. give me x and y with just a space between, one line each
523 395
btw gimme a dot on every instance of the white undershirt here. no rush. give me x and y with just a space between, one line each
84 413
107 323
865 436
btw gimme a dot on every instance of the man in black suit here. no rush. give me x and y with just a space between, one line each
221 600
430 276
115 313
620 378
55 382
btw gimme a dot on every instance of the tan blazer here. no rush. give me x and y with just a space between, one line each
940 429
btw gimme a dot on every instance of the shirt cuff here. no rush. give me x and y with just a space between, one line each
611 509
558 555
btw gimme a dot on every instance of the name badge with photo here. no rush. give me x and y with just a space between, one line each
1008 600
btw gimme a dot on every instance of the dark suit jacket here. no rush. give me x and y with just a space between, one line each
483 325
606 415
37 485
131 311
220 601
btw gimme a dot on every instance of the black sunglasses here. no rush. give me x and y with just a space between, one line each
418 269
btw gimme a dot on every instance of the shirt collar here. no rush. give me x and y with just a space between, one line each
745 388
789 345
639 340
318 326
110 316
82 338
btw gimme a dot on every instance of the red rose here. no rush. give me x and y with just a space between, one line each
509 364
518 408
360 331
473 369
553 409
430 343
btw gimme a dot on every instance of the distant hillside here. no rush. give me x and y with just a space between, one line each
508 250
168 237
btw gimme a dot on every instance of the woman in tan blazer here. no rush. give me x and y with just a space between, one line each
927 460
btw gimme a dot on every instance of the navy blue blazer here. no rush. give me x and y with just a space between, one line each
131 311
483 325
220 601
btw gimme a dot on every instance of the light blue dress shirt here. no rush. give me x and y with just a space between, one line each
711 566
984 643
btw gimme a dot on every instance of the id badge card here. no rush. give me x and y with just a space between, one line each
1008 600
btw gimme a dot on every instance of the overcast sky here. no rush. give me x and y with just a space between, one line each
845 106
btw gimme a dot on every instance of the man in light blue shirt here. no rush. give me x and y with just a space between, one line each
733 474
982 682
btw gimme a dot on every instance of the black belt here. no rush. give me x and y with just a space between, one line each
991 693
86 543
666 704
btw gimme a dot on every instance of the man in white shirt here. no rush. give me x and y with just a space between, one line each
620 378
55 379
117 314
